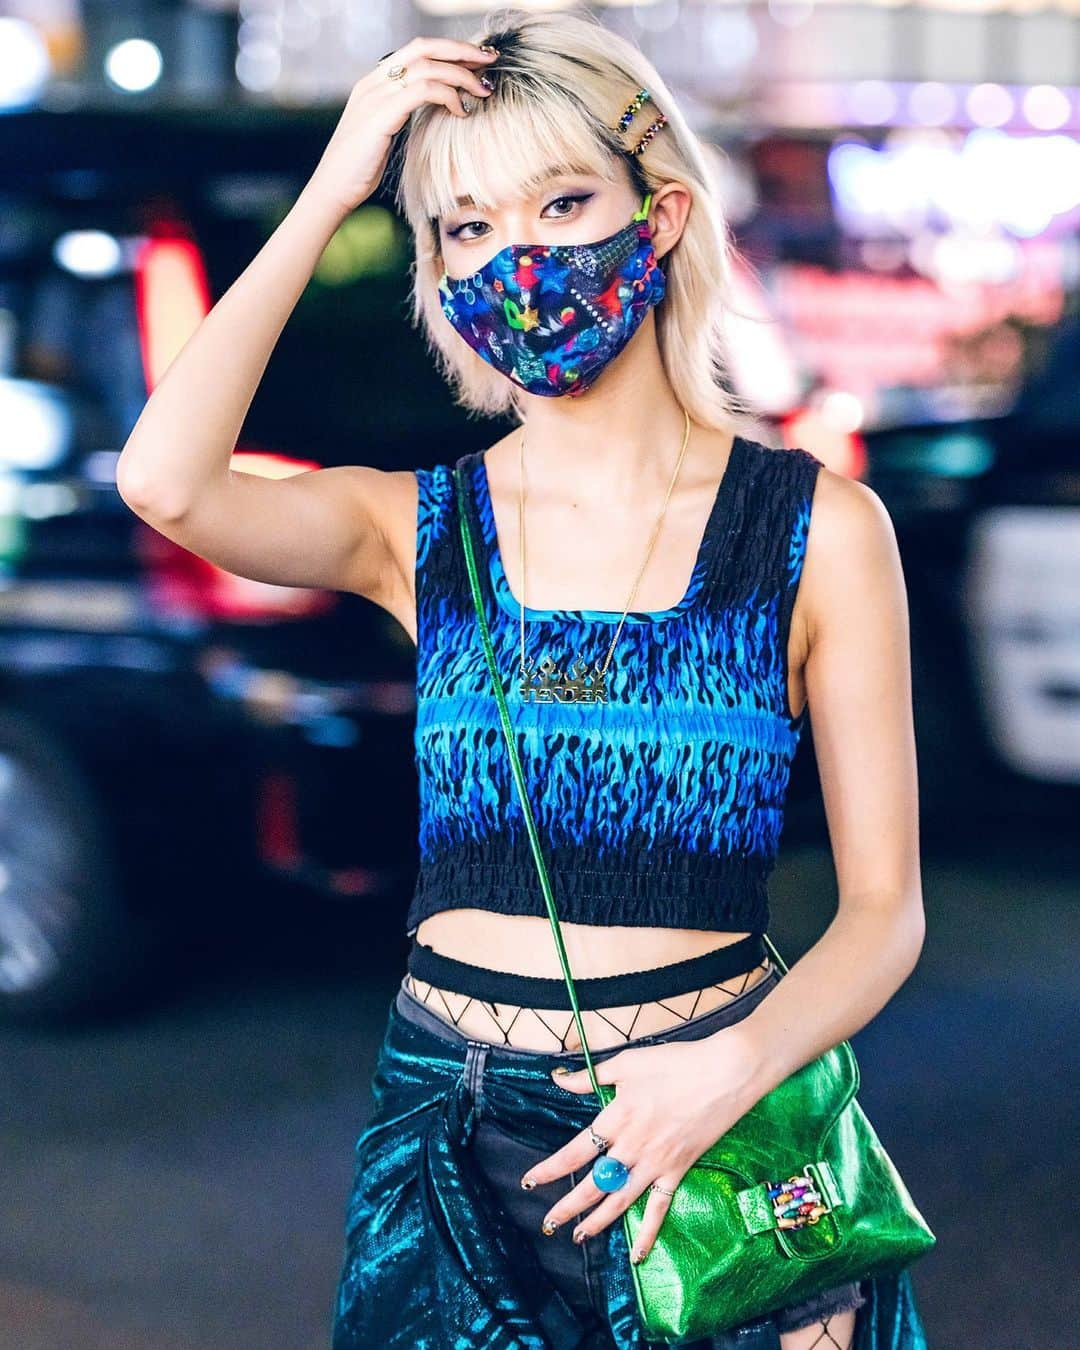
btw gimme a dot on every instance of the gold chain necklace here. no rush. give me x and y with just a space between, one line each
546 682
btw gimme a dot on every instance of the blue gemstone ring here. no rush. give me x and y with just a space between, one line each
609 1173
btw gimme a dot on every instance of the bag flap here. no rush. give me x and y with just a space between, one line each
789 1125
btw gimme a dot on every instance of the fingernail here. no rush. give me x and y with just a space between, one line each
527 1183
579 1235
547 1227
489 85
638 1255
489 49
559 1070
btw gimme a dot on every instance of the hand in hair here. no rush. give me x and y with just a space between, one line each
435 69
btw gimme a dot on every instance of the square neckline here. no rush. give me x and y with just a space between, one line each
704 558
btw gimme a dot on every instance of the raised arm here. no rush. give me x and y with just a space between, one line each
328 527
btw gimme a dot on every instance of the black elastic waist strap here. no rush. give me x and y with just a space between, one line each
603 991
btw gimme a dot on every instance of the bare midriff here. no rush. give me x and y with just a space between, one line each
524 945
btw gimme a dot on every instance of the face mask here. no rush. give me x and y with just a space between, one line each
551 316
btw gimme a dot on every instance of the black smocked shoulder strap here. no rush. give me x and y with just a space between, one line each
766 516
802 477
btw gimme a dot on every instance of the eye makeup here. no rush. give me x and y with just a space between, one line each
457 231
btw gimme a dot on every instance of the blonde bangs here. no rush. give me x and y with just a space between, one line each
505 150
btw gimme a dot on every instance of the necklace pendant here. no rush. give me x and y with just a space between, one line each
578 683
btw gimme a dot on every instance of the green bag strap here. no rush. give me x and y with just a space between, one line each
519 779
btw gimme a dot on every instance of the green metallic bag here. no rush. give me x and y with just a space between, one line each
735 1244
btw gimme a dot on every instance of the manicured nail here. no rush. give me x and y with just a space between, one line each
579 1235
488 49
527 1183
489 85
548 1227
559 1070
638 1255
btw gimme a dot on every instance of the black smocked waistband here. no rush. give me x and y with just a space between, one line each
604 991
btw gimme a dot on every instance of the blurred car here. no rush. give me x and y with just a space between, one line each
171 734
987 513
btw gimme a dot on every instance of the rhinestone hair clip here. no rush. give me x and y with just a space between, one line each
630 112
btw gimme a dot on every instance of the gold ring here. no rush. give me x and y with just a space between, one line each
397 72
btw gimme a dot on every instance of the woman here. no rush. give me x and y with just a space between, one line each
572 272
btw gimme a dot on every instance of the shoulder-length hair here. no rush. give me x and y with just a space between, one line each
562 82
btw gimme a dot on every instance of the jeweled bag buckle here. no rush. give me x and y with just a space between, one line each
797 1201
803 1199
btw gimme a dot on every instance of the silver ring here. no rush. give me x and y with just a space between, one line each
657 1187
598 1140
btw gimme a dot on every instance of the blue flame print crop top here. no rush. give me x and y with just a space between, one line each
660 806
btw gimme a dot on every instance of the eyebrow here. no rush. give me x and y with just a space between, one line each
552 171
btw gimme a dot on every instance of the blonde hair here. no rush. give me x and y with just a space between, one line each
562 81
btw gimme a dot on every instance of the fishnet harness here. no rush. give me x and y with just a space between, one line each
505 1021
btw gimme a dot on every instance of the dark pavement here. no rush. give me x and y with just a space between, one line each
177 1181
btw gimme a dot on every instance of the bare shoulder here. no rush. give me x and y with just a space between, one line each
850 544
849 520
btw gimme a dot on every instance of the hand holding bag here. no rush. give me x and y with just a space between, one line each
796 1197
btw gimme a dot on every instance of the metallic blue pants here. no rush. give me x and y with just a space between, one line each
442 1247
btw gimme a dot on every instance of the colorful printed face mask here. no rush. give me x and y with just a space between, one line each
551 316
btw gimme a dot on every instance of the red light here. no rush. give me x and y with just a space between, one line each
172 297
277 834
842 451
